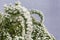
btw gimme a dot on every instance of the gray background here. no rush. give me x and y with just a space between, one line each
50 9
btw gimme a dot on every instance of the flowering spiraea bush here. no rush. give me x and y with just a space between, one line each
17 23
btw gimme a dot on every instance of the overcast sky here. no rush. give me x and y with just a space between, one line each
50 9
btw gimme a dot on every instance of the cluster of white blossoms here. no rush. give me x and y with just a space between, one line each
17 23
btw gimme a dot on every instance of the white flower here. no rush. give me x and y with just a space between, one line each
17 3
15 12
21 37
10 20
24 9
39 38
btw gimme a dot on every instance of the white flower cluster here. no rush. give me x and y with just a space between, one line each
18 24
20 10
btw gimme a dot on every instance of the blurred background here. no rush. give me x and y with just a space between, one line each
50 9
